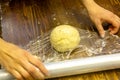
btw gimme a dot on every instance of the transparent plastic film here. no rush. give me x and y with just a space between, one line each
90 45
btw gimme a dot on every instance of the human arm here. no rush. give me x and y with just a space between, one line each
21 64
99 15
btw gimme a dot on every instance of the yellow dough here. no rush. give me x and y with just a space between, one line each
64 38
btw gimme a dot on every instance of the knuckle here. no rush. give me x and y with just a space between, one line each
37 62
31 69
19 77
23 62
26 75
113 16
41 77
100 30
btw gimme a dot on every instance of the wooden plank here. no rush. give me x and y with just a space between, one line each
25 20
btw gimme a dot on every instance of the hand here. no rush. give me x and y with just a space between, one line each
99 15
21 64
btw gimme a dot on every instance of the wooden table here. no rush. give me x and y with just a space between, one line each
24 20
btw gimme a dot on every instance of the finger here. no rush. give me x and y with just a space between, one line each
115 26
113 29
100 28
10 67
117 17
24 73
16 74
35 61
115 21
35 73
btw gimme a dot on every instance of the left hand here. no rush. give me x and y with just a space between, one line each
20 63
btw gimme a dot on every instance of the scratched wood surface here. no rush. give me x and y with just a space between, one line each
24 20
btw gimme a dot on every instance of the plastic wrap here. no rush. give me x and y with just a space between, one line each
90 45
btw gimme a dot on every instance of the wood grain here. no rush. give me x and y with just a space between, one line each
24 20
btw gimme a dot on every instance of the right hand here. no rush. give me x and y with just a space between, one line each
21 64
100 15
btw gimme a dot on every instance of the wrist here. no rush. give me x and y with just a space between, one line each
89 4
4 45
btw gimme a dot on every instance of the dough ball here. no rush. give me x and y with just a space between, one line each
64 38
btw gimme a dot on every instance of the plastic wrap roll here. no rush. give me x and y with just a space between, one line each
76 66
